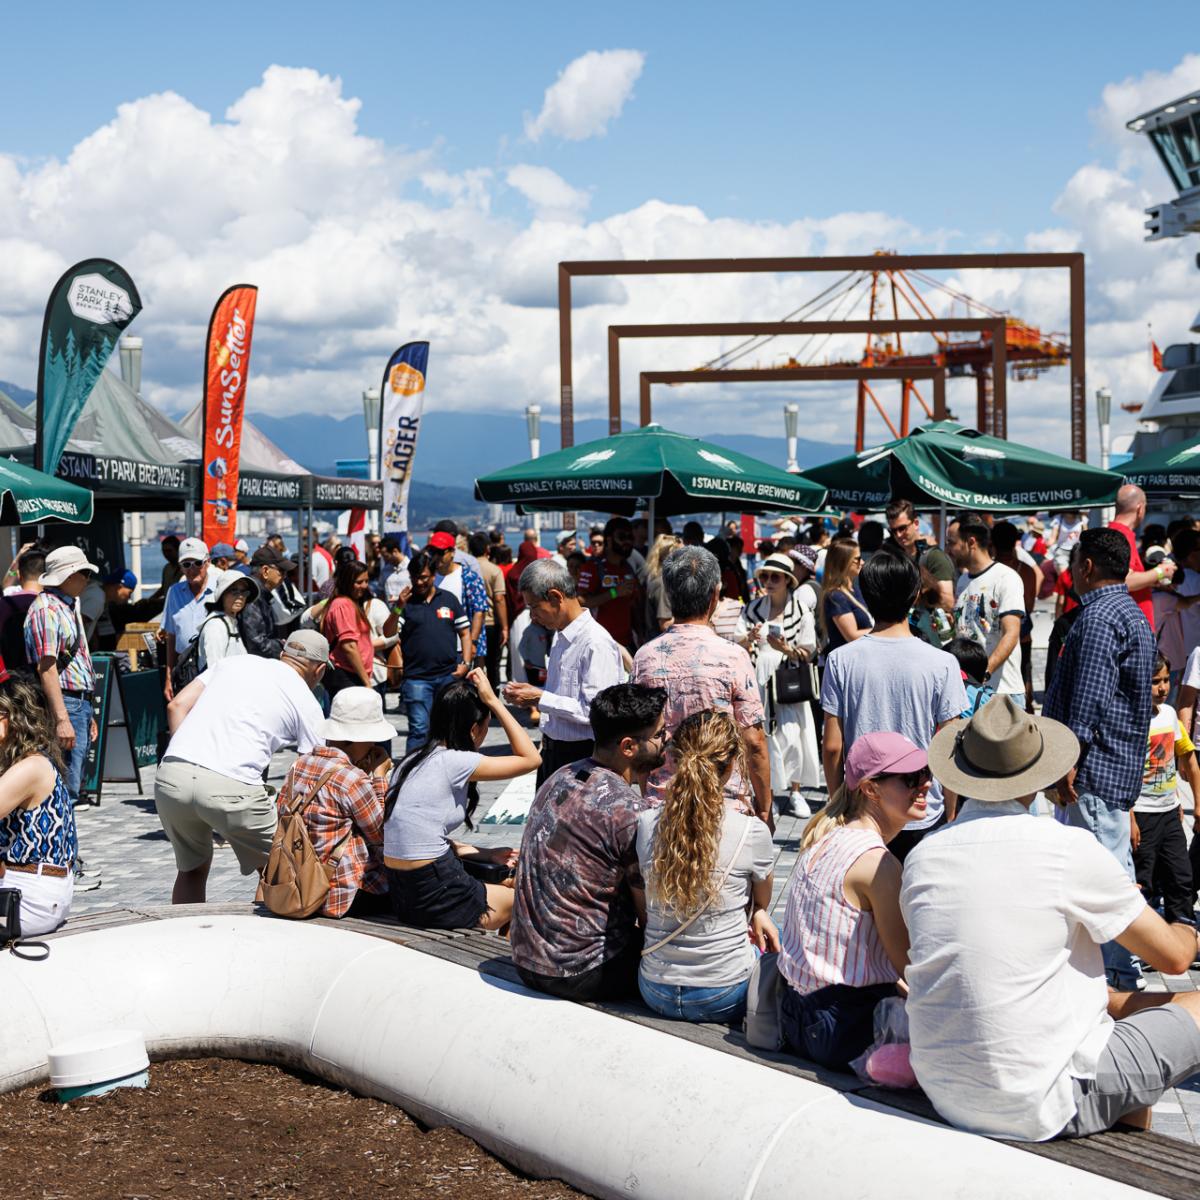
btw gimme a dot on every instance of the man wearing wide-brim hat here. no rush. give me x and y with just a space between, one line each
1014 1031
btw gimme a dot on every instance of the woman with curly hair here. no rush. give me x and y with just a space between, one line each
703 867
37 822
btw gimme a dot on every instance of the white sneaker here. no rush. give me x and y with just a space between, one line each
87 879
799 806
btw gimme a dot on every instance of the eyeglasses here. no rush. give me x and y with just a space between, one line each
911 779
190 564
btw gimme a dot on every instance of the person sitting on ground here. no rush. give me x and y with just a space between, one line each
574 931
37 819
1160 850
220 635
701 865
225 726
344 816
844 942
1011 1023
433 791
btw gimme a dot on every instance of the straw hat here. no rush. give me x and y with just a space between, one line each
1002 753
778 562
356 715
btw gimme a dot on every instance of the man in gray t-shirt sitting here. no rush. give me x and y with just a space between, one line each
890 682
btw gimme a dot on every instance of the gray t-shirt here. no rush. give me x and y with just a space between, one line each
894 685
714 949
432 803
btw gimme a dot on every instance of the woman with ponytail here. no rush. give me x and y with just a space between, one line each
703 866
845 945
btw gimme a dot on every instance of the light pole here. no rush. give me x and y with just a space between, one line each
370 401
131 373
791 425
1104 418
533 422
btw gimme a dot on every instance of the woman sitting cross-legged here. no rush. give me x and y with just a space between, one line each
344 815
703 864
844 940
434 790
37 822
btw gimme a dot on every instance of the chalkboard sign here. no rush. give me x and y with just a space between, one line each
130 713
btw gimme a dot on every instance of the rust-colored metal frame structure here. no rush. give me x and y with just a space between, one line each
791 374
1073 263
993 325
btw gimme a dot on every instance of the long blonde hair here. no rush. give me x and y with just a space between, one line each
846 805
838 560
688 835
663 545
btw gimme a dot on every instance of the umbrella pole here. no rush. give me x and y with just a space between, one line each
941 529
649 524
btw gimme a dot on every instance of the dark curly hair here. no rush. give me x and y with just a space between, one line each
30 725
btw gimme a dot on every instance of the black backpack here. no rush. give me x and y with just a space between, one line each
187 665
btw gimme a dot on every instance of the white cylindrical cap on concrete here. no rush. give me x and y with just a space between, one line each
97 1058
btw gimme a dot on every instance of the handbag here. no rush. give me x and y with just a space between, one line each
10 927
763 1024
795 684
711 896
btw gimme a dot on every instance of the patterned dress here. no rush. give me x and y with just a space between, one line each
45 834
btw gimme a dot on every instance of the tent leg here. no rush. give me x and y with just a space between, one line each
189 518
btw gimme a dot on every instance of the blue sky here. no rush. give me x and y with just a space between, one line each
368 165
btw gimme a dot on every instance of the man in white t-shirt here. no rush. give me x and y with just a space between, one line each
1013 1031
990 602
225 726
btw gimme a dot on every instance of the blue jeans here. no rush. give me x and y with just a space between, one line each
1109 824
725 1004
80 712
417 695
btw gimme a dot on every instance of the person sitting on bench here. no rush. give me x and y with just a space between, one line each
1014 1032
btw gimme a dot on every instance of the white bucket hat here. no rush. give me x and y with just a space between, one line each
356 715
62 563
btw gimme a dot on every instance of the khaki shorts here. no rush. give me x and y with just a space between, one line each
193 802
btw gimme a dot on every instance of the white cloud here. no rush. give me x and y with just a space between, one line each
357 246
589 92
550 196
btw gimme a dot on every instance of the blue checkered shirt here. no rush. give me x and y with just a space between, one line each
1101 689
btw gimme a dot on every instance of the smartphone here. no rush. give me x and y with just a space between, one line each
775 630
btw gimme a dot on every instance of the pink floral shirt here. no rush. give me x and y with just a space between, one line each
700 671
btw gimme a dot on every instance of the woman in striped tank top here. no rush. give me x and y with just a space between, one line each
844 941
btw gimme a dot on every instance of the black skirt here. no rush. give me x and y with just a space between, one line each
440 895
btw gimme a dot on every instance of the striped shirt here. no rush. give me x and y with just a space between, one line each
825 939
53 628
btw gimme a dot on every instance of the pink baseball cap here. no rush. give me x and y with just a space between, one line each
880 753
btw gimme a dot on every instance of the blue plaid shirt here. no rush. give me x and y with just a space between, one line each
1101 690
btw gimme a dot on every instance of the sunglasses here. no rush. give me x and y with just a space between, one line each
190 564
765 575
911 779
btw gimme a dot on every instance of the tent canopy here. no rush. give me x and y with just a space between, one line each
946 463
29 497
678 473
1169 471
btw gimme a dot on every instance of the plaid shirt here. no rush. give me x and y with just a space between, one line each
350 799
52 625
1101 690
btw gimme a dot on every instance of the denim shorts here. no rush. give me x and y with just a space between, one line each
725 1004
440 895
833 1025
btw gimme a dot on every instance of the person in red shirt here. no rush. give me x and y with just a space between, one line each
1131 512
608 585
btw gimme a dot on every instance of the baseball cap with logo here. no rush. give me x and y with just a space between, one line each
307 645
192 550
62 563
442 541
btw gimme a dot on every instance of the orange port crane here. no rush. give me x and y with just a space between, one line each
888 293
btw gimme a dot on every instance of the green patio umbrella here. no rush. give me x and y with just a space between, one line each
1168 471
674 472
28 497
948 464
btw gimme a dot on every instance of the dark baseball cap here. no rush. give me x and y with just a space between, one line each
268 556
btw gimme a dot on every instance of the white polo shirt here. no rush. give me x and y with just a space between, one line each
1006 913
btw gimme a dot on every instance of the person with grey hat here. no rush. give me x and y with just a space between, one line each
1014 1033
225 726
346 780
257 620
187 600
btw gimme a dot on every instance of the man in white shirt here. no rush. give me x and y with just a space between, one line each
187 602
584 660
225 726
990 603
1014 1033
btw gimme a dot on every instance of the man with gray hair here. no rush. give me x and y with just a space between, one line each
225 726
701 670
584 660
1131 512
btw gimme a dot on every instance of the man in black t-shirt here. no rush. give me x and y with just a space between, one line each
433 628
906 536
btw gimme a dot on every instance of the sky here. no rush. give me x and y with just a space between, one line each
394 171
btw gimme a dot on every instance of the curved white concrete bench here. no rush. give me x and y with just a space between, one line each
612 1107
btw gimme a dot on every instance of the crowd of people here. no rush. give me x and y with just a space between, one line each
685 695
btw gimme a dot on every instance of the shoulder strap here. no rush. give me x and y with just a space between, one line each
711 896
308 797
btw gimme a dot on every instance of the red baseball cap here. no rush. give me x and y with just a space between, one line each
442 541
880 753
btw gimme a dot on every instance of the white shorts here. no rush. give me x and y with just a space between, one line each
45 899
